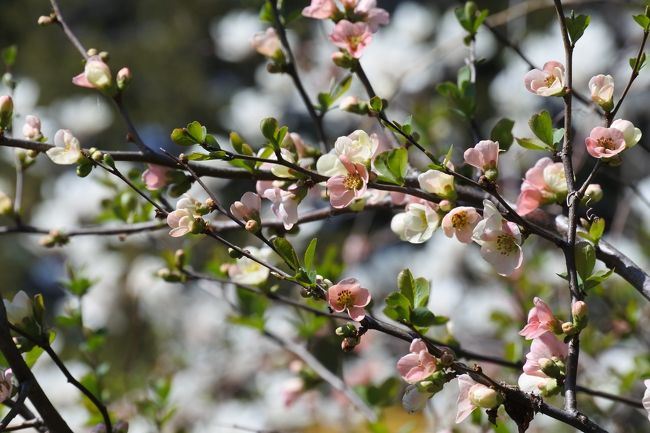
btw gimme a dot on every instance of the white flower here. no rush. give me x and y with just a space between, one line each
602 90
67 150
631 134
19 309
417 224
181 219
438 183
500 240
247 271
413 400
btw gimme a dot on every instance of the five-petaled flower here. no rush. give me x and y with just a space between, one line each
349 295
352 37
500 240
545 183
155 176
344 190
484 156
284 203
540 320
472 395
461 221
417 365
180 221
247 270
544 367
417 224
67 148
547 82
605 142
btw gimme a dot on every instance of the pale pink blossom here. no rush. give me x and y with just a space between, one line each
460 221
545 183
371 14
155 176
19 308
344 190
248 271
500 240
267 43
6 384
484 155
540 320
438 183
292 389
353 37
248 208
123 78
320 9
180 220
547 82
67 148
284 204
417 223
602 90
414 400
32 128
631 134
646 397
358 147
417 365
605 142
546 346
96 75
472 395
349 295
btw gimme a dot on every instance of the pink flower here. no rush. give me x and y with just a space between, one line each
547 355
460 221
67 148
345 189
267 43
248 208
546 346
181 219
605 142
123 78
417 365
371 14
96 75
545 183
349 295
602 90
5 384
483 156
32 128
646 397
500 240
155 176
472 395
291 390
353 37
284 204
320 9
540 320
547 82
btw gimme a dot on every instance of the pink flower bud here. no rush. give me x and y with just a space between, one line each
267 43
96 75
579 309
32 128
602 91
6 112
123 78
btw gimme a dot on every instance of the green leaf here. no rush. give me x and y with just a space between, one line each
406 285
502 133
181 137
448 90
542 126
398 307
266 13
479 19
211 143
422 290
287 252
197 131
325 101
391 165
642 62
596 278
643 21
596 229
341 87
558 135
464 76
576 26
309 254
197 156
531 143
9 55
269 126
585 259
32 356
376 104
423 317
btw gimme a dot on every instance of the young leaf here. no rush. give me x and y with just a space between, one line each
391 166
643 21
406 285
576 26
376 104
197 131
422 290
585 259
502 132
531 143
398 307
542 126
340 88
286 251
558 135
181 137
423 317
309 254
269 127
448 90
596 229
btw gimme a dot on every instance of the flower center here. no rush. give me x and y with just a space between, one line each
506 245
549 80
606 143
344 298
459 220
353 181
354 41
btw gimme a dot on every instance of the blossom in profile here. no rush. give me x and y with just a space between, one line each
484 155
414 400
472 395
32 128
180 220
438 183
344 190
605 142
67 148
96 75
461 221
544 183
631 134
368 11
549 81
267 43
646 397
320 9
155 176
6 385
417 365
248 271
352 37
417 223
284 203
349 295
500 240
601 88
6 112
544 368
19 308
248 208
540 320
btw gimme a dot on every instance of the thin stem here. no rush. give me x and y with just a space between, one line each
88 231
68 32
635 73
35 424
20 402
133 135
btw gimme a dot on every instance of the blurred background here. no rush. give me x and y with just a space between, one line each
164 355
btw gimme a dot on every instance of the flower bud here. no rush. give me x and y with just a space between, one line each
593 194
352 104
32 128
45 20
447 357
97 155
343 60
631 134
349 343
568 328
551 368
19 309
602 91
414 400
123 78
179 259
252 226
579 311
6 112
197 226
347 330
482 396
6 205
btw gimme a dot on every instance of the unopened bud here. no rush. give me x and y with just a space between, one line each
6 112
91 52
53 239
579 309
210 204
97 155
347 330
123 78
179 259
349 343
104 55
32 153
108 160
445 205
45 20
343 60
447 357
568 328
197 226
167 275
550 368
593 194
482 396
252 226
